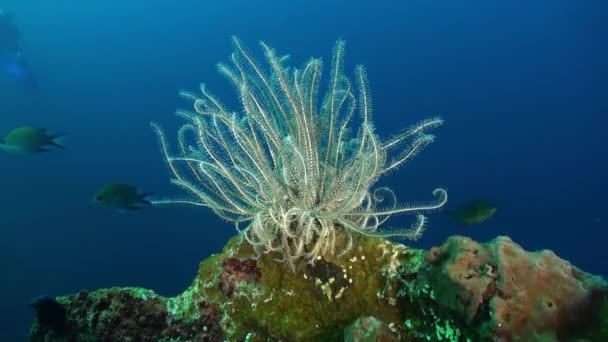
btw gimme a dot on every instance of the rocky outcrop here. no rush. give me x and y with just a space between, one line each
379 291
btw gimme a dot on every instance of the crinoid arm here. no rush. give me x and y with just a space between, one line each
297 167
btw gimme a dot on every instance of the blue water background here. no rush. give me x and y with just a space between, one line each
517 82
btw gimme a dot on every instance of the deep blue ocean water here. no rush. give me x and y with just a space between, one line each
519 85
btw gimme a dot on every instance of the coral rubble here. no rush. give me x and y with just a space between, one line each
379 291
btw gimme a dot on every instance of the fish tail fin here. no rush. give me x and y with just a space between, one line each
143 199
57 140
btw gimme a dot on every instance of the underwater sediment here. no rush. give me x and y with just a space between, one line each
462 290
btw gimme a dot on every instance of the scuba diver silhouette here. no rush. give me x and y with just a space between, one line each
12 61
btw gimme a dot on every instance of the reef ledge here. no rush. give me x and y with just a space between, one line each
462 290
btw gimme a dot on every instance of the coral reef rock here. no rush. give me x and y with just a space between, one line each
378 291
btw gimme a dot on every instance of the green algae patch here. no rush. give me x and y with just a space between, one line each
312 301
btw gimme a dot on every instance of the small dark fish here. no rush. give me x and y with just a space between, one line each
49 312
121 197
474 212
28 140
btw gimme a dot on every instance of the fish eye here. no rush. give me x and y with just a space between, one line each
98 198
